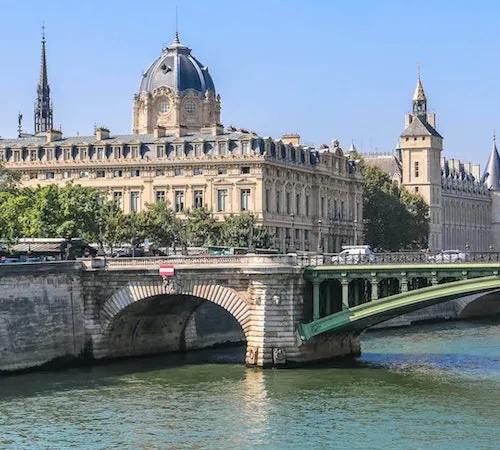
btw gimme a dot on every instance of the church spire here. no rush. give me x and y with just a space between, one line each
491 176
44 119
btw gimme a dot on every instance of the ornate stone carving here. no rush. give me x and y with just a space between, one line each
252 356
279 356
172 285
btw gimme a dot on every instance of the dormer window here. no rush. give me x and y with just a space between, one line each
33 155
66 154
50 154
83 153
100 152
222 148
117 152
245 148
134 151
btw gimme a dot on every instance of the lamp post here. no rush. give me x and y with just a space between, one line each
100 251
251 246
319 248
292 249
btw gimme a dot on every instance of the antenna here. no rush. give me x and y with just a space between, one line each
177 40
43 31
19 124
419 65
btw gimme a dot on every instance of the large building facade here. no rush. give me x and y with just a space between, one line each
460 200
179 152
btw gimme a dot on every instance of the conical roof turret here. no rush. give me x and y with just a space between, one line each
419 94
491 176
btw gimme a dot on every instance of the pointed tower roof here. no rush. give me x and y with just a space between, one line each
352 148
44 117
491 176
419 94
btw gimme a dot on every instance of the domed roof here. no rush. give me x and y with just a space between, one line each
177 69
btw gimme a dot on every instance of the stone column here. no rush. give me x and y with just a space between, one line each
345 292
374 286
316 284
434 280
404 282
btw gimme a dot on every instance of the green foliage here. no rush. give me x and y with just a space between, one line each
201 228
395 218
235 232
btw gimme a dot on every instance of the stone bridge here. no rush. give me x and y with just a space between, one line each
288 309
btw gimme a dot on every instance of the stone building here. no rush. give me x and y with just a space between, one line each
179 152
459 199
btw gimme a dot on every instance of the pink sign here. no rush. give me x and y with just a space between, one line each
167 270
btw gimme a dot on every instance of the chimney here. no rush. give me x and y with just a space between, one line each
101 133
291 138
408 119
159 131
53 135
431 118
476 171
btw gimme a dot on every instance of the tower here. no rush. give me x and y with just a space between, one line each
44 119
177 93
491 179
421 146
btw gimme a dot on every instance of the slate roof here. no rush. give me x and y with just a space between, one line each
419 127
491 176
387 162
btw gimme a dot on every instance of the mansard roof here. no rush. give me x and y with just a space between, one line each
419 127
387 162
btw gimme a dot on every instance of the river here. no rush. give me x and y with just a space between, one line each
425 387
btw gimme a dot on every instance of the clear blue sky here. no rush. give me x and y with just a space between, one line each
325 69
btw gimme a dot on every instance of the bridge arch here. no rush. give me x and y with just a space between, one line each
136 292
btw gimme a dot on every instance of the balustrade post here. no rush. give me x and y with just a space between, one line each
374 287
434 280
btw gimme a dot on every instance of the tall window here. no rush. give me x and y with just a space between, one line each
307 206
50 155
278 202
134 151
179 201
100 152
197 150
416 169
222 148
267 200
159 151
134 201
221 200
198 199
117 152
245 148
342 211
83 153
160 196
245 199
17 155
288 203
118 198
66 154
179 151
322 207
297 204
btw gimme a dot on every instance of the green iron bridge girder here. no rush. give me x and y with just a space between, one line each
473 278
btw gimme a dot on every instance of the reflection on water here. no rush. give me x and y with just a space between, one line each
429 387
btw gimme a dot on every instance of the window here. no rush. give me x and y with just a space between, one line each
100 174
83 153
416 169
160 196
267 200
33 176
416 189
135 173
222 148
66 154
34 155
197 150
179 201
198 199
278 202
244 148
306 236
164 106
245 170
117 152
17 156
67 174
118 198
159 151
49 175
134 201
288 203
84 174
297 204
190 107
117 173
322 207
222 171
134 152
178 172
245 199
221 200
100 153
307 206
179 150
160 172
342 209
197 171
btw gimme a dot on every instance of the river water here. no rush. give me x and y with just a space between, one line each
427 387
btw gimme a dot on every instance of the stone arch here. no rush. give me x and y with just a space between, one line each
233 302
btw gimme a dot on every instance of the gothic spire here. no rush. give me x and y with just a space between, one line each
491 176
44 119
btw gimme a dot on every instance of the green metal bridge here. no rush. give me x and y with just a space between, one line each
346 298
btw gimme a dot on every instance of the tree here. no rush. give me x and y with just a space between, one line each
201 228
159 224
235 232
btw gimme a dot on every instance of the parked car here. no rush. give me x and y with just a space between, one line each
354 254
449 256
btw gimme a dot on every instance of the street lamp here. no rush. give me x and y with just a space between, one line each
319 249
100 251
292 249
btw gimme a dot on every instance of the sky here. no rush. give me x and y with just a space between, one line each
326 69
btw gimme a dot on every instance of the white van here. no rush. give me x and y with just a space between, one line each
354 254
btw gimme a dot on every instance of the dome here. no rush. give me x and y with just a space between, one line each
178 70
